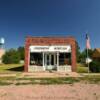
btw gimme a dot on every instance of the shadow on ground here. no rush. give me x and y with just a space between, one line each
17 69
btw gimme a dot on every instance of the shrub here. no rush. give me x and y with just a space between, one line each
95 66
11 56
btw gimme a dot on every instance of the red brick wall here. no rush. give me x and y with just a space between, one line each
50 41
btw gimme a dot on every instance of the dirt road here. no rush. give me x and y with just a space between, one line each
77 91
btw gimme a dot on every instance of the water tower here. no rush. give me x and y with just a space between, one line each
2 50
2 42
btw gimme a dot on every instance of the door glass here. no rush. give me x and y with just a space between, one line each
48 59
52 59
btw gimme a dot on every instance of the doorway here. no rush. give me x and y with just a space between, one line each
50 61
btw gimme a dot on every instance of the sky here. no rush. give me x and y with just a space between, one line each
21 18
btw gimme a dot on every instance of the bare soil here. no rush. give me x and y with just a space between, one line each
77 91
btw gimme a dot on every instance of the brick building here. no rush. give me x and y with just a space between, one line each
50 53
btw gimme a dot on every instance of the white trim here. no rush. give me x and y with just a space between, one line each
57 61
43 62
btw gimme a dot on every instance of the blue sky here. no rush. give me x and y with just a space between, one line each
20 18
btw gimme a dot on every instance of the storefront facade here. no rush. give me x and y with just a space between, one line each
50 53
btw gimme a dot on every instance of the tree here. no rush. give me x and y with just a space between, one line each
83 54
21 52
11 56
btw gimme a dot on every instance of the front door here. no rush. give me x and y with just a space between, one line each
50 61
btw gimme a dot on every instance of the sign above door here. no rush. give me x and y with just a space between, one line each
52 48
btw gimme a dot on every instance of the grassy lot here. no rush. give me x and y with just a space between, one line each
92 79
10 68
25 81
81 68
20 80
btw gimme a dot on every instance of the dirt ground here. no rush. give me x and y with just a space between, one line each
77 91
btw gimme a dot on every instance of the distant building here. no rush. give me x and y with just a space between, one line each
96 54
50 53
2 52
